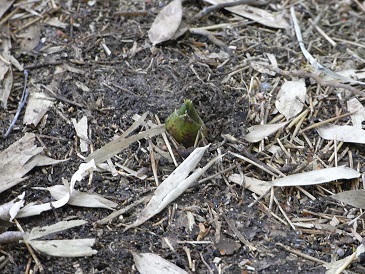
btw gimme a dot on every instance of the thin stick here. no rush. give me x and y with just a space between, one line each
259 198
153 161
239 235
205 263
28 24
349 42
5 18
283 212
273 214
333 43
325 122
310 196
121 211
167 143
209 35
51 93
216 174
253 163
35 258
297 252
22 102
361 5
188 254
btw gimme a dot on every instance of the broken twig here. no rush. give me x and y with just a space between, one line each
22 102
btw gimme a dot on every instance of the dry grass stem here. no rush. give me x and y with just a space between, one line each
333 43
167 143
322 123
297 252
30 249
239 234
253 163
283 212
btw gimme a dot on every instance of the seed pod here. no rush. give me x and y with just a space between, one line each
184 124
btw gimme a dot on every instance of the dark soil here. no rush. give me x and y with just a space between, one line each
132 80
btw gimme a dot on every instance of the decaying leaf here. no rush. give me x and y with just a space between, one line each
117 145
349 134
37 106
355 198
60 248
82 199
255 185
32 209
65 248
39 232
291 97
259 132
349 75
301 179
6 73
30 37
4 6
19 158
166 23
55 22
317 177
262 67
9 210
358 110
264 17
81 128
149 263
174 185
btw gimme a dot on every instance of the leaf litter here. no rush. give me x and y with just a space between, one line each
294 152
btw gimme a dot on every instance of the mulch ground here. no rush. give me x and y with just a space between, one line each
230 96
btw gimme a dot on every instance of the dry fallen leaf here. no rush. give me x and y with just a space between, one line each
347 134
255 185
6 73
264 17
4 6
30 37
291 97
149 263
353 105
32 209
317 177
114 147
19 158
355 198
9 210
60 248
81 128
166 23
259 132
82 199
174 185
37 106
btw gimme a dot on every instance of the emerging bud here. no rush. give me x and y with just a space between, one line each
184 124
